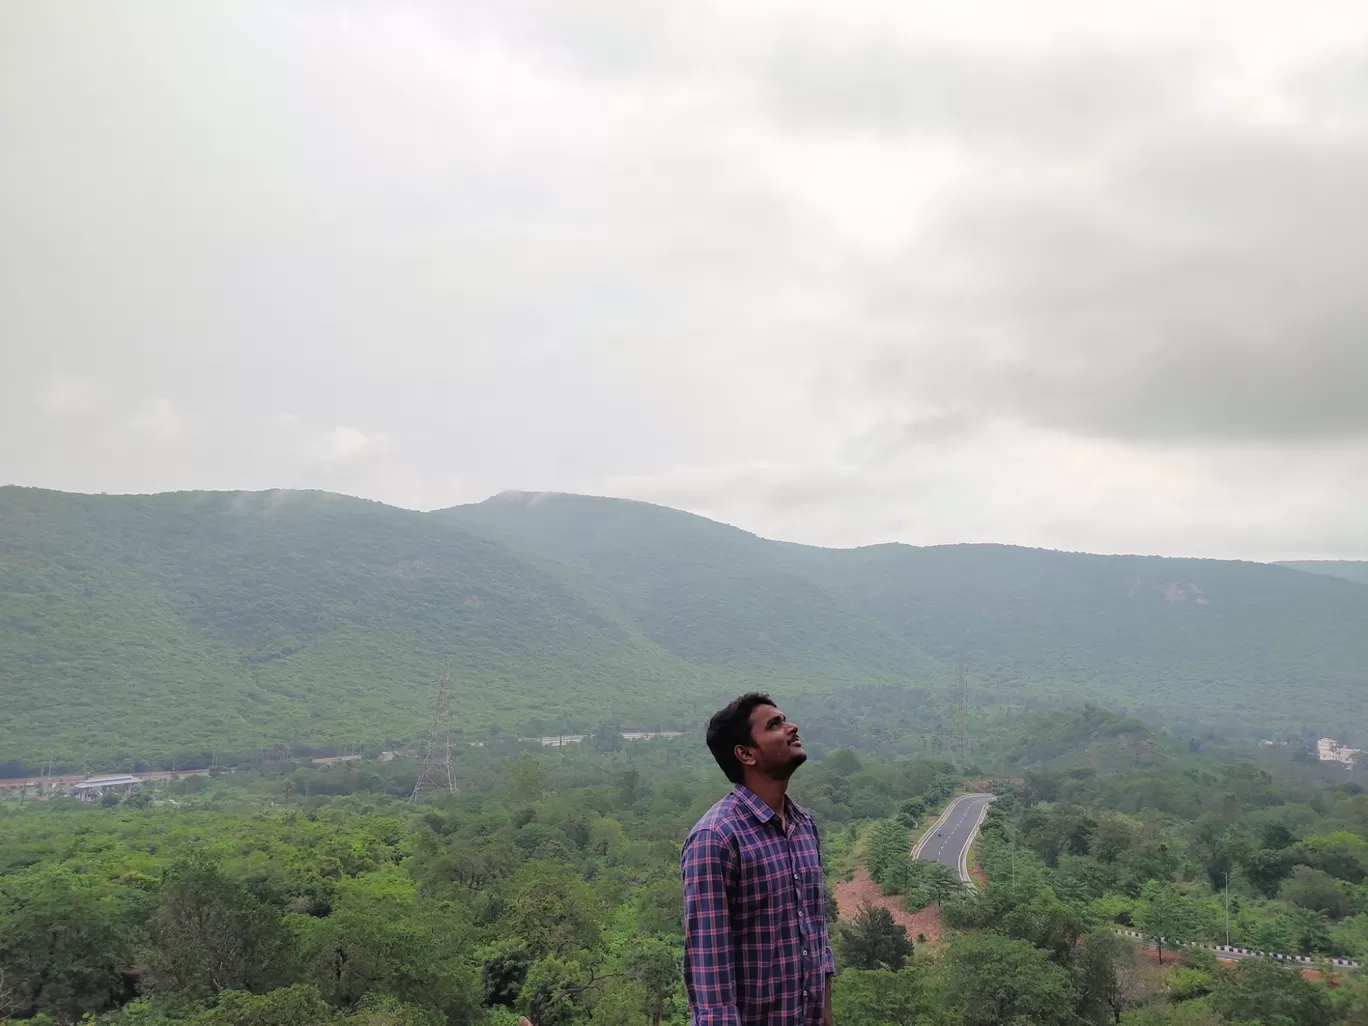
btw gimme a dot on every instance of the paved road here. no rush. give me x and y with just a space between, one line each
958 825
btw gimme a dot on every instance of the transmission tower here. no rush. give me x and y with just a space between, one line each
437 776
959 714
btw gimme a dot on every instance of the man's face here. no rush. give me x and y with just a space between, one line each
777 751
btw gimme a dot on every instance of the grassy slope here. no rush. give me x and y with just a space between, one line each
171 623
1173 639
1180 641
709 593
147 626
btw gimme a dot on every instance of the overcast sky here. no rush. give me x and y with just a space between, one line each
1084 275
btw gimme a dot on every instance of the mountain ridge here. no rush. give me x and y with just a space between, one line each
141 627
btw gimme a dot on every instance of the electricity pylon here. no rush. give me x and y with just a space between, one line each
437 776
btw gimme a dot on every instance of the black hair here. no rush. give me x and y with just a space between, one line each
729 727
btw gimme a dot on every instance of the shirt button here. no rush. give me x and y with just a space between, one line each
795 876
800 913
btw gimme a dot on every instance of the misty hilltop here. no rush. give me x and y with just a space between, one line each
138 627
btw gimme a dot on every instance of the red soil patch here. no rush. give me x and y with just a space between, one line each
854 893
980 877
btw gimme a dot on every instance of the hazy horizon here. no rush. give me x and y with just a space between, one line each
534 493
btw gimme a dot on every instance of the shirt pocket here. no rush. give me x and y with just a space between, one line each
814 893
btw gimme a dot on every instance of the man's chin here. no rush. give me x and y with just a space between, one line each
796 758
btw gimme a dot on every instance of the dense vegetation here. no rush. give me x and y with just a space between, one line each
162 629
298 895
1146 836
1186 643
305 895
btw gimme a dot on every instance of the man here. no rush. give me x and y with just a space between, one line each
755 938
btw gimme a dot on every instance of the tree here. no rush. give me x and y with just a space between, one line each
989 980
63 952
1096 984
874 941
554 910
654 966
9 1000
1261 990
629 787
1165 914
1318 891
940 881
1350 999
1138 980
1309 930
910 812
504 967
1343 855
526 783
900 874
888 847
1219 847
1266 868
548 995
607 737
210 934
877 996
1047 923
300 1005
380 939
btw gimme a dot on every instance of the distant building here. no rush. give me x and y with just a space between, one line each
99 785
561 740
1330 750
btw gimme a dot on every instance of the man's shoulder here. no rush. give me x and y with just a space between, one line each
721 820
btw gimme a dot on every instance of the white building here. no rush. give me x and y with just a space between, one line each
1331 750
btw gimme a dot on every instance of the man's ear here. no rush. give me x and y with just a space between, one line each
744 755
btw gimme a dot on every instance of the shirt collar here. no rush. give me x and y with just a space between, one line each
759 809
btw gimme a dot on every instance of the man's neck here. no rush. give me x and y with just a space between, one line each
770 791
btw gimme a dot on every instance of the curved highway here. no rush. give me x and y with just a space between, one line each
958 825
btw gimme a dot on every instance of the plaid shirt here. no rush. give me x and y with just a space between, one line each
755 937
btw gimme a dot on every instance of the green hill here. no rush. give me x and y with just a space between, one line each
151 627
148 626
1183 642
708 593
1349 569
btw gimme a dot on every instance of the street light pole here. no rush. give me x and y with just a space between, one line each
1227 905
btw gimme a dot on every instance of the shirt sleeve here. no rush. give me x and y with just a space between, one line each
709 870
828 962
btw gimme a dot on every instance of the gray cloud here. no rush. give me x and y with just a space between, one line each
837 272
1038 98
1212 292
